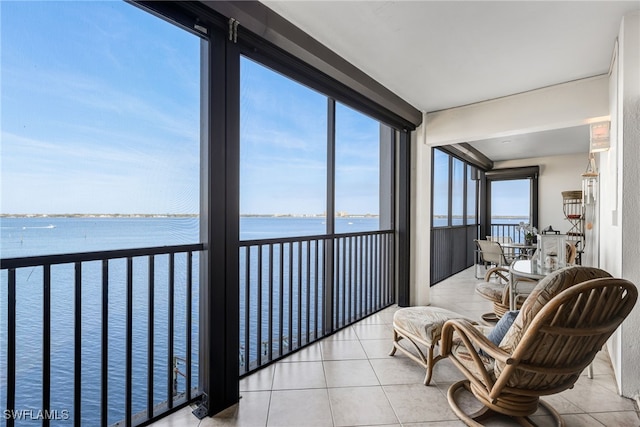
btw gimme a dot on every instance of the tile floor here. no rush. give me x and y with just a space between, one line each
348 379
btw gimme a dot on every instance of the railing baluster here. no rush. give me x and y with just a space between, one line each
77 342
104 347
299 294
188 321
247 311
308 302
170 332
270 320
290 325
259 320
345 319
49 288
316 289
281 301
336 284
151 334
11 345
128 388
46 343
352 284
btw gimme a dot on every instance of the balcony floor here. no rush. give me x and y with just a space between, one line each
348 379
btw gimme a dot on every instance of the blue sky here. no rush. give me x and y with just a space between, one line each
100 114
100 110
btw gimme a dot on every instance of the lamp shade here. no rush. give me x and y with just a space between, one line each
599 137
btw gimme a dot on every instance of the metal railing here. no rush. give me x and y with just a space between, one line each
97 293
129 320
506 230
294 291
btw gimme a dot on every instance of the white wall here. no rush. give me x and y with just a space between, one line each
557 174
620 201
420 262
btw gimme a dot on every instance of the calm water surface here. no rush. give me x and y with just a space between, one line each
52 235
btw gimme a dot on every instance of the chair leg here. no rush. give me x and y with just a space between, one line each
468 419
473 420
395 340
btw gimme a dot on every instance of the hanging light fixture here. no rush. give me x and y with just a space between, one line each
599 137
590 182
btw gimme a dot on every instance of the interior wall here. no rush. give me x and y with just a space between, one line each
557 174
620 201
420 263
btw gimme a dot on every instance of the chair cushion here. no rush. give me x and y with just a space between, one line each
544 291
490 290
424 322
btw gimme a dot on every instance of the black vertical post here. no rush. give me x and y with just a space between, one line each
128 380
46 344
77 350
171 364
403 230
330 217
11 345
150 335
188 322
219 295
104 377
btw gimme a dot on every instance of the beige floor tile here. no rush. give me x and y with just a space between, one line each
357 406
379 349
251 411
618 419
349 373
299 375
344 334
397 370
560 404
313 353
445 373
300 408
597 398
373 332
342 350
571 420
418 403
436 424
261 380
181 418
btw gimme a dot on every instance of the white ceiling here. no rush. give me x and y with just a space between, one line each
443 54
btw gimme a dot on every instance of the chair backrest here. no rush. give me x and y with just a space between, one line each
491 252
561 326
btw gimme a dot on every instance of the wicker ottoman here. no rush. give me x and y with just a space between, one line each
421 326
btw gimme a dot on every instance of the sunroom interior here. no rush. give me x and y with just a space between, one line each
543 120
497 91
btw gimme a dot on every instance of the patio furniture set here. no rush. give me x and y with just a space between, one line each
539 350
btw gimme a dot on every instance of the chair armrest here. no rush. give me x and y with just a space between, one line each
501 272
470 336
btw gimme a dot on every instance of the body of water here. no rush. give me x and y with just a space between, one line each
21 237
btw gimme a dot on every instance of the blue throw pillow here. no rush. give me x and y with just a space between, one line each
503 325
501 328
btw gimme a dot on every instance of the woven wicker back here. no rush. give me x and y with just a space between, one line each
565 334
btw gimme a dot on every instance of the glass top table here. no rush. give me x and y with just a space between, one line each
523 268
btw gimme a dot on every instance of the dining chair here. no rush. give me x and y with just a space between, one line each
491 253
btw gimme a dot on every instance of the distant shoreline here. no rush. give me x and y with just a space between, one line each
117 215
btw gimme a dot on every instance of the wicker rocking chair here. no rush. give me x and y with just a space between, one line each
561 326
